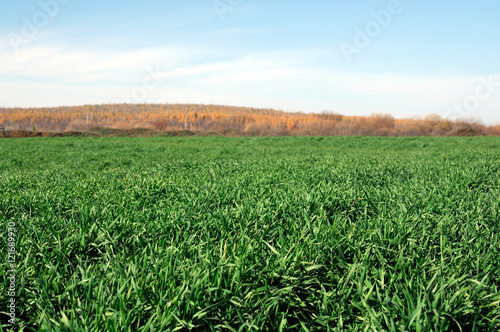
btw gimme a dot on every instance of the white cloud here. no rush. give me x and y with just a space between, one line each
49 63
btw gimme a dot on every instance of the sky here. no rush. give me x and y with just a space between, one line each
407 58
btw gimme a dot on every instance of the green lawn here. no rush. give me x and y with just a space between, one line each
252 234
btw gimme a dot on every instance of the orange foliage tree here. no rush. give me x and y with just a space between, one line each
231 121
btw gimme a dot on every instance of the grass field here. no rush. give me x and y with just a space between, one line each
248 234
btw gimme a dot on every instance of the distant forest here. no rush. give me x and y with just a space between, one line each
228 120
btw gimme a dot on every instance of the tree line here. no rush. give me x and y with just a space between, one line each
230 120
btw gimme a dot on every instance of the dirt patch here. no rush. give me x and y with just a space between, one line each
98 132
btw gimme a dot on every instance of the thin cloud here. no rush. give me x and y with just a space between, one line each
56 62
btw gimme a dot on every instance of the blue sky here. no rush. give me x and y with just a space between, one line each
407 58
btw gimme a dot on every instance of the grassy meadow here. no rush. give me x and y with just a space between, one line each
252 234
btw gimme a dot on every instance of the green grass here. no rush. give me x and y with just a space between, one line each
253 234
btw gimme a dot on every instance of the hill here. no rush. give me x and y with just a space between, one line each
229 120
